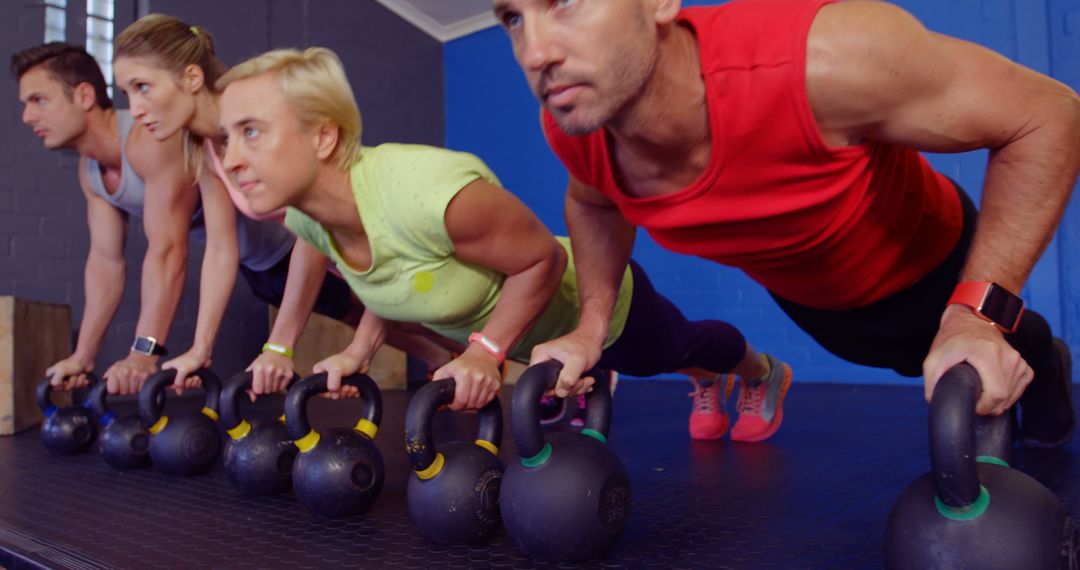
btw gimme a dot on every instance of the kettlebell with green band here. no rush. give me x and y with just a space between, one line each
972 510
340 472
567 498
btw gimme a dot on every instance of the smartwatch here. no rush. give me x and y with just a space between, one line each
148 345
991 302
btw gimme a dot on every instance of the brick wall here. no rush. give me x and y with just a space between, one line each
43 234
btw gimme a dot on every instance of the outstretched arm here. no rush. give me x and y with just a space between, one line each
874 72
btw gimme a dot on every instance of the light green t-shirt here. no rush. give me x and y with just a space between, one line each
402 192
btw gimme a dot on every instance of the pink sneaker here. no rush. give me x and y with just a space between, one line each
583 406
761 403
579 415
709 418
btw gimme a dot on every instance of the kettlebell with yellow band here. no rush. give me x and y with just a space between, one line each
258 454
339 472
453 492
188 442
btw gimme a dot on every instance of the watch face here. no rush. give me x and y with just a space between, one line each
1002 307
143 345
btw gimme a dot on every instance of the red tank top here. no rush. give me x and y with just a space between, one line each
826 227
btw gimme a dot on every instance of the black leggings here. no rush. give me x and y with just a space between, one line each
897 331
335 298
657 337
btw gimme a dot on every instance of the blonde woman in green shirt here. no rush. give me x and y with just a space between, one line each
427 235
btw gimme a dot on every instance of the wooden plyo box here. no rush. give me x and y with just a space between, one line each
323 337
33 336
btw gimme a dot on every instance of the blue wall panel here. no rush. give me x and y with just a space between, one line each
1064 31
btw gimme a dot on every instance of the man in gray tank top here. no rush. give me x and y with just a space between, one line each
67 105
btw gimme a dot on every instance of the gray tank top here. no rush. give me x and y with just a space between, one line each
262 243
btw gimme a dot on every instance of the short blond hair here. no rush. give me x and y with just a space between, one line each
315 85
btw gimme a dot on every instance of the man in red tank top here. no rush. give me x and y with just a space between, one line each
781 137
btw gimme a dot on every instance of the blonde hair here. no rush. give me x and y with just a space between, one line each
174 45
315 85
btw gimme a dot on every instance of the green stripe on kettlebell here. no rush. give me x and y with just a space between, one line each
970 512
594 434
990 459
538 459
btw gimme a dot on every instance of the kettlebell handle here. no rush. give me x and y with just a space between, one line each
98 400
229 405
151 402
525 407
43 394
959 438
419 443
296 417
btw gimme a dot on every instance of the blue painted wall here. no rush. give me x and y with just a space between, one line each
490 112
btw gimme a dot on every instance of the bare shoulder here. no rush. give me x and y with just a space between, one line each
148 155
864 58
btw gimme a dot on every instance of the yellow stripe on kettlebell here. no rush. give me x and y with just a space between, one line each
367 428
282 418
210 413
308 442
494 449
242 429
432 469
159 425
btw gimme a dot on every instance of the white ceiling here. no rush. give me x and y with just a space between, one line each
444 20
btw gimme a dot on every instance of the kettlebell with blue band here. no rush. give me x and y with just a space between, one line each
124 441
66 431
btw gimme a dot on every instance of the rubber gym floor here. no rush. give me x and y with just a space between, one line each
815 496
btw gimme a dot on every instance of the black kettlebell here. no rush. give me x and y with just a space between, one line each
453 492
65 431
338 473
188 442
258 455
124 441
567 499
972 510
